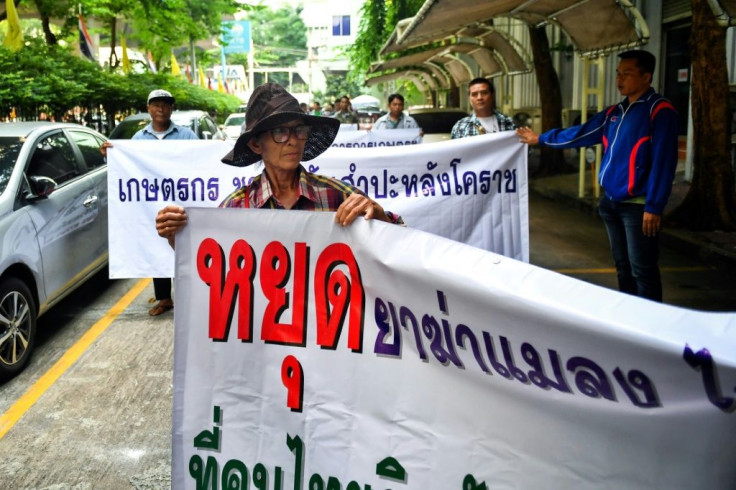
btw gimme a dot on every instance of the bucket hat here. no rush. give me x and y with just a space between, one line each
160 94
271 105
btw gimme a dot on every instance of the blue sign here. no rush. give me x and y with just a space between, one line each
236 36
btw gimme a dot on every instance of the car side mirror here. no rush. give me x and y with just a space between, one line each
41 187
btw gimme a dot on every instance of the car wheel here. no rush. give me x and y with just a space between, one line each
17 326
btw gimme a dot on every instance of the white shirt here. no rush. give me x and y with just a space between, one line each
490 124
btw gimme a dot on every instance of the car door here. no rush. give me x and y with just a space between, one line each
88 144
66 221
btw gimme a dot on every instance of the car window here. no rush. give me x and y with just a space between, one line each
235 121
54 158
208 126
126 129
89 145
9 150
437 122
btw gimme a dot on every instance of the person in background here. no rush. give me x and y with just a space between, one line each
160 107
485 118
316 109
328 110
344 113
303 106
282 136
639 137
395 118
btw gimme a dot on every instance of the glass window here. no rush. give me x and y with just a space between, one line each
54 158
340 25
89 145
9 150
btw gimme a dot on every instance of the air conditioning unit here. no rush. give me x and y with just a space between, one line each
570 117
528 116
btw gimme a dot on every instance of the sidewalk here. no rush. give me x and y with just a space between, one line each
715 248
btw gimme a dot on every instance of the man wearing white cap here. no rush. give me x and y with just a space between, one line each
160 106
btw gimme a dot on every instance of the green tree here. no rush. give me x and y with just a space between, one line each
279 36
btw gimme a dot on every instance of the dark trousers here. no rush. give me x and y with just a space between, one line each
634 254
162 288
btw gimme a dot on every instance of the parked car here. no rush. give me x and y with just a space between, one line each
233 125
436 123
198 121
53 221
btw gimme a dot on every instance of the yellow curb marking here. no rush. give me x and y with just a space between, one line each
31 396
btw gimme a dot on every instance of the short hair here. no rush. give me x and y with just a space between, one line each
395 96
482 80
644 59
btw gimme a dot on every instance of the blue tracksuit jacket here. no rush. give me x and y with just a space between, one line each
639 148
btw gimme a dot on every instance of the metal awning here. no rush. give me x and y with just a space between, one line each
594 26
725 11
448 60
452 35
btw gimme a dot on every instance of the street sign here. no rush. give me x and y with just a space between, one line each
236 36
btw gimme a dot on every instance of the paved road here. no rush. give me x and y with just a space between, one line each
574 242
93 410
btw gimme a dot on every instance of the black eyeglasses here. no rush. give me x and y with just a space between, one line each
283 133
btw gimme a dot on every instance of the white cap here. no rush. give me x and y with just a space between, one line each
160 94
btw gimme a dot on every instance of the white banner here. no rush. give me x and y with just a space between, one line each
312 356
378 137
472 190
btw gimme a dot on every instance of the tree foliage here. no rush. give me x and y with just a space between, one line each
378 20
42 78
280 36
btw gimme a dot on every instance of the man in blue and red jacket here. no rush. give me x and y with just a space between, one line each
639 138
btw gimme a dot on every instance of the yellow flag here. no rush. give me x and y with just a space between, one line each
220 87
202 81
13 36
175 66
126 60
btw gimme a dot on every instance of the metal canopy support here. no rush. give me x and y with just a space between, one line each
598 92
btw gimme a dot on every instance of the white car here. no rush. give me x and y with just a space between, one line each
53 224
234 124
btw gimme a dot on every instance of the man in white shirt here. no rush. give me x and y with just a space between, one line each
485 118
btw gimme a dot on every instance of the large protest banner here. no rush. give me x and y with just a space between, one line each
472 190
312 356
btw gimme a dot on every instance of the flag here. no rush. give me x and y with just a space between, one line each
126 60
220 88
151 64
202 83
13 36
86 46
188 73
175 70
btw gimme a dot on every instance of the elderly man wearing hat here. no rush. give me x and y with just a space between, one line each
160 106
280 134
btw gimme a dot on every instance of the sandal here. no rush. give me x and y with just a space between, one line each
161 307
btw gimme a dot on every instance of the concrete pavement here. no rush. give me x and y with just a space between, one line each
716 248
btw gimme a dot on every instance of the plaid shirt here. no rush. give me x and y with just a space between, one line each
316 193
471 126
